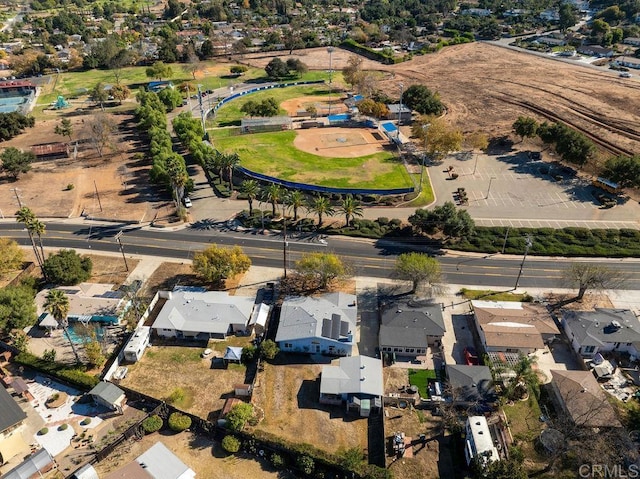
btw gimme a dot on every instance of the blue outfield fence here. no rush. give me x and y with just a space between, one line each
324 189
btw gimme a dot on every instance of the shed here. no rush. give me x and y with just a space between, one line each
233 354
242 389
33 466
47 321
86 472
108 395
258 321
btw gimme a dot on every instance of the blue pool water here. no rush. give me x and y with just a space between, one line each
77 335
340 117
389 127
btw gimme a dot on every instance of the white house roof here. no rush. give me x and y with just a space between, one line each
139 336
308 317
233 353
87 299
482 436
260 315
353 375
203 312
161 463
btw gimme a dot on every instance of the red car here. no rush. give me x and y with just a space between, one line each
471 356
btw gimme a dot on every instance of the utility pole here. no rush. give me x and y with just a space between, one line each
117 238
97 194
528 245
15 191
506 235
284 244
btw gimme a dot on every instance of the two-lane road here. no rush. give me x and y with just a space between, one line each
366 257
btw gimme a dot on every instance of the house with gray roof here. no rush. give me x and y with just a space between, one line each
356 382
108 395
11 414
323 324
191 313
408 328
602 330
157 462
471 384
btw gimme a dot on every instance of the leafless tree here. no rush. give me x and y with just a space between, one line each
100 128
592 276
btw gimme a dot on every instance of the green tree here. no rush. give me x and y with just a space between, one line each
352 72
159 70
586 276
152 424
14 123
322 207
351 208
296 65
273 194
25 216
422 100
322 267
17 307
248 354
229 163
277 69
237 69
440 137
305 464
178 422
568 16
16 162
418 268
295 200
216 264
251 189
238 416
269 349
99 95
525 127
67 267
624 170
64 128
453 222
57 304
120 93
49 355
93 350
171 98
11 256
231 444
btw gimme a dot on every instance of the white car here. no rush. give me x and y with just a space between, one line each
187 202
625 74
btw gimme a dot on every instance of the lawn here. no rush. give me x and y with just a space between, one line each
488 295
525 426
260 152
230 113
421 378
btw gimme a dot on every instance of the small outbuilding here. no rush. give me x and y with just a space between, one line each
232 355
136 346
108 395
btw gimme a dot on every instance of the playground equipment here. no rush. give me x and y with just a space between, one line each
60 103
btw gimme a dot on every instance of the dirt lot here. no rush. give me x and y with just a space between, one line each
289 394
486 87
165 368
123 190
322 104
205 457
110 269
339 142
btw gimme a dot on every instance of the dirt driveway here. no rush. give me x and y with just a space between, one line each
289 395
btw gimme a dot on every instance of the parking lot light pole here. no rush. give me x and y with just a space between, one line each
489 189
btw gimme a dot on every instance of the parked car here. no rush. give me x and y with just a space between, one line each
471 356
625 74
187 202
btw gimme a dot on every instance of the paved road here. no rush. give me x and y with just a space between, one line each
367 257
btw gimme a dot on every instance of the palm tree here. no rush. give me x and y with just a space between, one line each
272 194
25 216
232 160
251 189
295 200
178 176
57 304
351 208
38 228
321 206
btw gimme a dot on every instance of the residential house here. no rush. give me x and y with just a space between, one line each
408 328
137 344
602 330
552 41
11 418
578 395
629 62
355 382
471 384
635 41
595 51
88 302
318 325
158 462
108 395
478 441
476 12
193 313
513 327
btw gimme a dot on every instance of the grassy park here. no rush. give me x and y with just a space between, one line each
260 153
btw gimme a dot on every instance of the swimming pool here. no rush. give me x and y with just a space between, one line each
389 127
79 333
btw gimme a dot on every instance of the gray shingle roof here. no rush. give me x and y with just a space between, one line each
10 413
161 463
471 383
302 317
353 375
110 393
408 323
203 312
595 328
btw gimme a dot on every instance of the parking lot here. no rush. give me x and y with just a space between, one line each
510 189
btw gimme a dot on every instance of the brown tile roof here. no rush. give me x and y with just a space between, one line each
583 398
511 327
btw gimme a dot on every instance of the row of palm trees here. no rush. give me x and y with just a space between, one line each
296 200
35 228
223 164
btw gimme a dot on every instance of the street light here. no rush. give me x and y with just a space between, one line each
201 109
528 245
489 189
425 127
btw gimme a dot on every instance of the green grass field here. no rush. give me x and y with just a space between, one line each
230 113
275 155
420 378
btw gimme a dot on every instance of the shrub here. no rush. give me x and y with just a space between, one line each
63 427
70 186
231 444
179 422
43 431
277 460
152 424
176 396
72 375
238 416
305 464
86 421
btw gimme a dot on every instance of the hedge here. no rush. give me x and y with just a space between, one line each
369 53
179 422
75 376
152 424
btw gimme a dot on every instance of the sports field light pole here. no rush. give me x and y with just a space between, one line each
424 155
528 245
330 51
400 108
